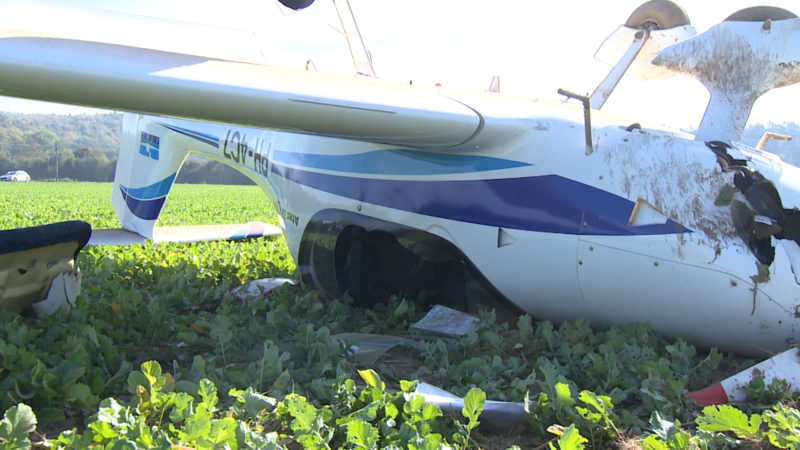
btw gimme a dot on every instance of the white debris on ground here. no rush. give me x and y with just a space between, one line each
444 321
262 286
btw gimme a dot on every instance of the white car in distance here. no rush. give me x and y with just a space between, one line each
15 175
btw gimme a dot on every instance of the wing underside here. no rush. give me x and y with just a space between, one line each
127 78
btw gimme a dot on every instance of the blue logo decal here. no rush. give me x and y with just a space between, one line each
148 145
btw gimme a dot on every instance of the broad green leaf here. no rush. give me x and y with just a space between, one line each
600 403
525 327
208 393
408 386
473 406
81 395
122 444
152 371
141 435
414 404
372 379
254 403
783 425
17 422
728 418
431 412
660 426
361 434
563 395
223 431
196 427
433 441
102 431
270 365
679 440
182 407
281 384
112 412
654 442
368 413
390 411
303 413
570 439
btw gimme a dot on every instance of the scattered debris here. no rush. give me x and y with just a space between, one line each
496 413
784 366
367 348
444 321
440 321
262 286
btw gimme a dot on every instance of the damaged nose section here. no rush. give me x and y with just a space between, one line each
759 216
756 234
757 211
758 220
760 193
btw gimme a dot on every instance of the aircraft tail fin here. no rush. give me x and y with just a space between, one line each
146 170
152 151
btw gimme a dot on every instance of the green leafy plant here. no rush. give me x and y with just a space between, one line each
18 422
274 354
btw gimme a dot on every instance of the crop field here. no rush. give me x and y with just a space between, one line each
160 352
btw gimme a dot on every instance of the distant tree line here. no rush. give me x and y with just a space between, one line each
83 147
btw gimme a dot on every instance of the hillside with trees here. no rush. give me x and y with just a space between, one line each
83 147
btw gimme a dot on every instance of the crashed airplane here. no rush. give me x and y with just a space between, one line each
559 208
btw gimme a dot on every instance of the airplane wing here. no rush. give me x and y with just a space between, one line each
114 76
188 233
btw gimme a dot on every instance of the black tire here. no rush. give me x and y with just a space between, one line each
296 4
658 15
760 14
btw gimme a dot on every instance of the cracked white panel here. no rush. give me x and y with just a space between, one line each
679 178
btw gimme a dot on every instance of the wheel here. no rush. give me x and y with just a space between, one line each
658 15
760 14
296 4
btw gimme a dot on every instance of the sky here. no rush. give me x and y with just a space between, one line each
536 47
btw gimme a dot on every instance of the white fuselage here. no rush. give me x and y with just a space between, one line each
628 232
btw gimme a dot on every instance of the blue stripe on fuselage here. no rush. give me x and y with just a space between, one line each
157 189
205 138
143 209
396 162
548 203
146 202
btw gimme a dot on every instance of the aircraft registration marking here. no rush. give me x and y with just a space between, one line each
236 149
288 216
